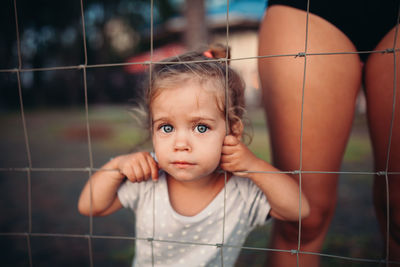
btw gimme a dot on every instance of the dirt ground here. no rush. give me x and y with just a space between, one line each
58 143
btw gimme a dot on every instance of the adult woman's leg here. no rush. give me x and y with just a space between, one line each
379 82
332 83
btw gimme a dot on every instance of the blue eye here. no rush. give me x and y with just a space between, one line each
201 128
167 128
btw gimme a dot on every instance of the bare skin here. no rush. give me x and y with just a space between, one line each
379 75
331 86
190 141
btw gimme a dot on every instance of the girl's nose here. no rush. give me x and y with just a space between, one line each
182 142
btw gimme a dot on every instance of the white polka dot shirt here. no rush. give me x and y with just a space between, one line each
177 240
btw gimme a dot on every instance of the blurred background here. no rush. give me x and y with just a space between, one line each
118 42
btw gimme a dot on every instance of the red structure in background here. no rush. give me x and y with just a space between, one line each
159 54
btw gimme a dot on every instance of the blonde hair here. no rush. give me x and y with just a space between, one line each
203 67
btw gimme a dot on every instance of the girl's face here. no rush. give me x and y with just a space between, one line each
188 131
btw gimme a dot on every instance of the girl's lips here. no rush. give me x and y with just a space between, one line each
182 164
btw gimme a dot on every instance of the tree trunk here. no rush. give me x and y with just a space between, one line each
196 34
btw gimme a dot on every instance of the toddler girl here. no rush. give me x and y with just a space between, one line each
188 211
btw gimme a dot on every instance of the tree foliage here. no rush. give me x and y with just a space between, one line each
50 35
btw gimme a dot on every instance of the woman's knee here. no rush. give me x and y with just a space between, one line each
382 208
312 228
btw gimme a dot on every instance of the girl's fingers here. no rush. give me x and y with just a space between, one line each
138 173
146 168
231 140
224 166
233 169
228 167
228 158
227 150
153 168
127 173
240 174
139 167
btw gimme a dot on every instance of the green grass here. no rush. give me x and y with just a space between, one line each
126 134
358 149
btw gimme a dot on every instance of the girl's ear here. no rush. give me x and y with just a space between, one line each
237 129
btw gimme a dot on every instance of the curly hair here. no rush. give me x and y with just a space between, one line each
210 66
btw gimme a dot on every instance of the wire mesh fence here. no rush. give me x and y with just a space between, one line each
87 241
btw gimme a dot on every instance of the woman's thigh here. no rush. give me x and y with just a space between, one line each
309 125
383 103
382 80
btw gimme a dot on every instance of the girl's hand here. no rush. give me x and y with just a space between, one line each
237 158
137 167
281 190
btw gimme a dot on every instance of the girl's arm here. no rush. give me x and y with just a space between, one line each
282 191
104 183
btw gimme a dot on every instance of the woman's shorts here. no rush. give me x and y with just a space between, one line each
365 22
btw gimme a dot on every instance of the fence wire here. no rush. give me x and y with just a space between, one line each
90 169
